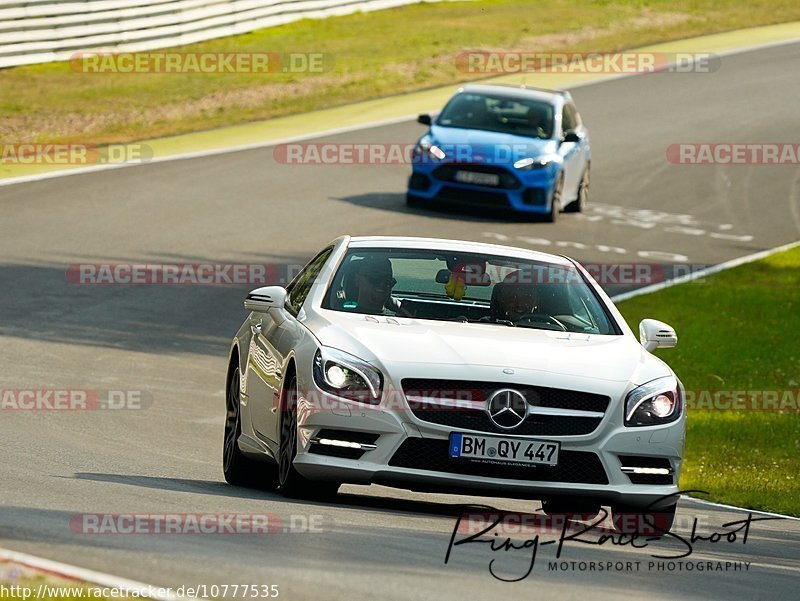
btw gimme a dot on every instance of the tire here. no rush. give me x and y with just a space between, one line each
290 482
237 468
633 520
578 509
555 204
577 205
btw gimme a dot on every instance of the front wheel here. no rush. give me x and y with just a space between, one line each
577 205
290 482
238 469
555 204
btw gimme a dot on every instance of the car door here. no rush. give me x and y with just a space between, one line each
270 343
572 152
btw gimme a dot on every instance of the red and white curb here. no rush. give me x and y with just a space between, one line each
132 587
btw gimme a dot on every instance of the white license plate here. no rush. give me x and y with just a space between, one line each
475 177
496 449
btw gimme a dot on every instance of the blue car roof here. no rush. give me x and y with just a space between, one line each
518 92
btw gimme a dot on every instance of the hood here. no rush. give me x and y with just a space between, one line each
403 341
488 146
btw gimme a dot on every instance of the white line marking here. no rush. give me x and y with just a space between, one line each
330 132
772 566
703 272
207 153
734 507
99 578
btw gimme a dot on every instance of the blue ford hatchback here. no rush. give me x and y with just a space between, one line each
504 148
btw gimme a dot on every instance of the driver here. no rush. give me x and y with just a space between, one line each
511 301
374 284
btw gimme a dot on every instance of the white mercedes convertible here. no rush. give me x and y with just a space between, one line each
450 366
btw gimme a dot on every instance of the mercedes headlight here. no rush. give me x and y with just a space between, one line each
655 403
346 376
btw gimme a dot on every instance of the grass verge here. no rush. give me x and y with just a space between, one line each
738 331
374 55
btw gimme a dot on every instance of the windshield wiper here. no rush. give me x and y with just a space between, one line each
501 322
543 326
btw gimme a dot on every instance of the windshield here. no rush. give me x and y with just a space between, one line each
490 112
473 288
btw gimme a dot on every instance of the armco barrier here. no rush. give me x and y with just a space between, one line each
40 31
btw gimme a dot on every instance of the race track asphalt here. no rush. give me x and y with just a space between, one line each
171 342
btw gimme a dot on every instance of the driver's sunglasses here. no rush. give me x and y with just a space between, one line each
380 281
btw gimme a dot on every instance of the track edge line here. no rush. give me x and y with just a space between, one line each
704 272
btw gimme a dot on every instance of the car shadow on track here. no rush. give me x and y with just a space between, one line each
395 202
349 499
402 505
54 303
183 485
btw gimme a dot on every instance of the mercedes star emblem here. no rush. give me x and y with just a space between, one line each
507 408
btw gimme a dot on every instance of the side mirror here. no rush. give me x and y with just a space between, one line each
425 119
266 298
655 334
571 136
